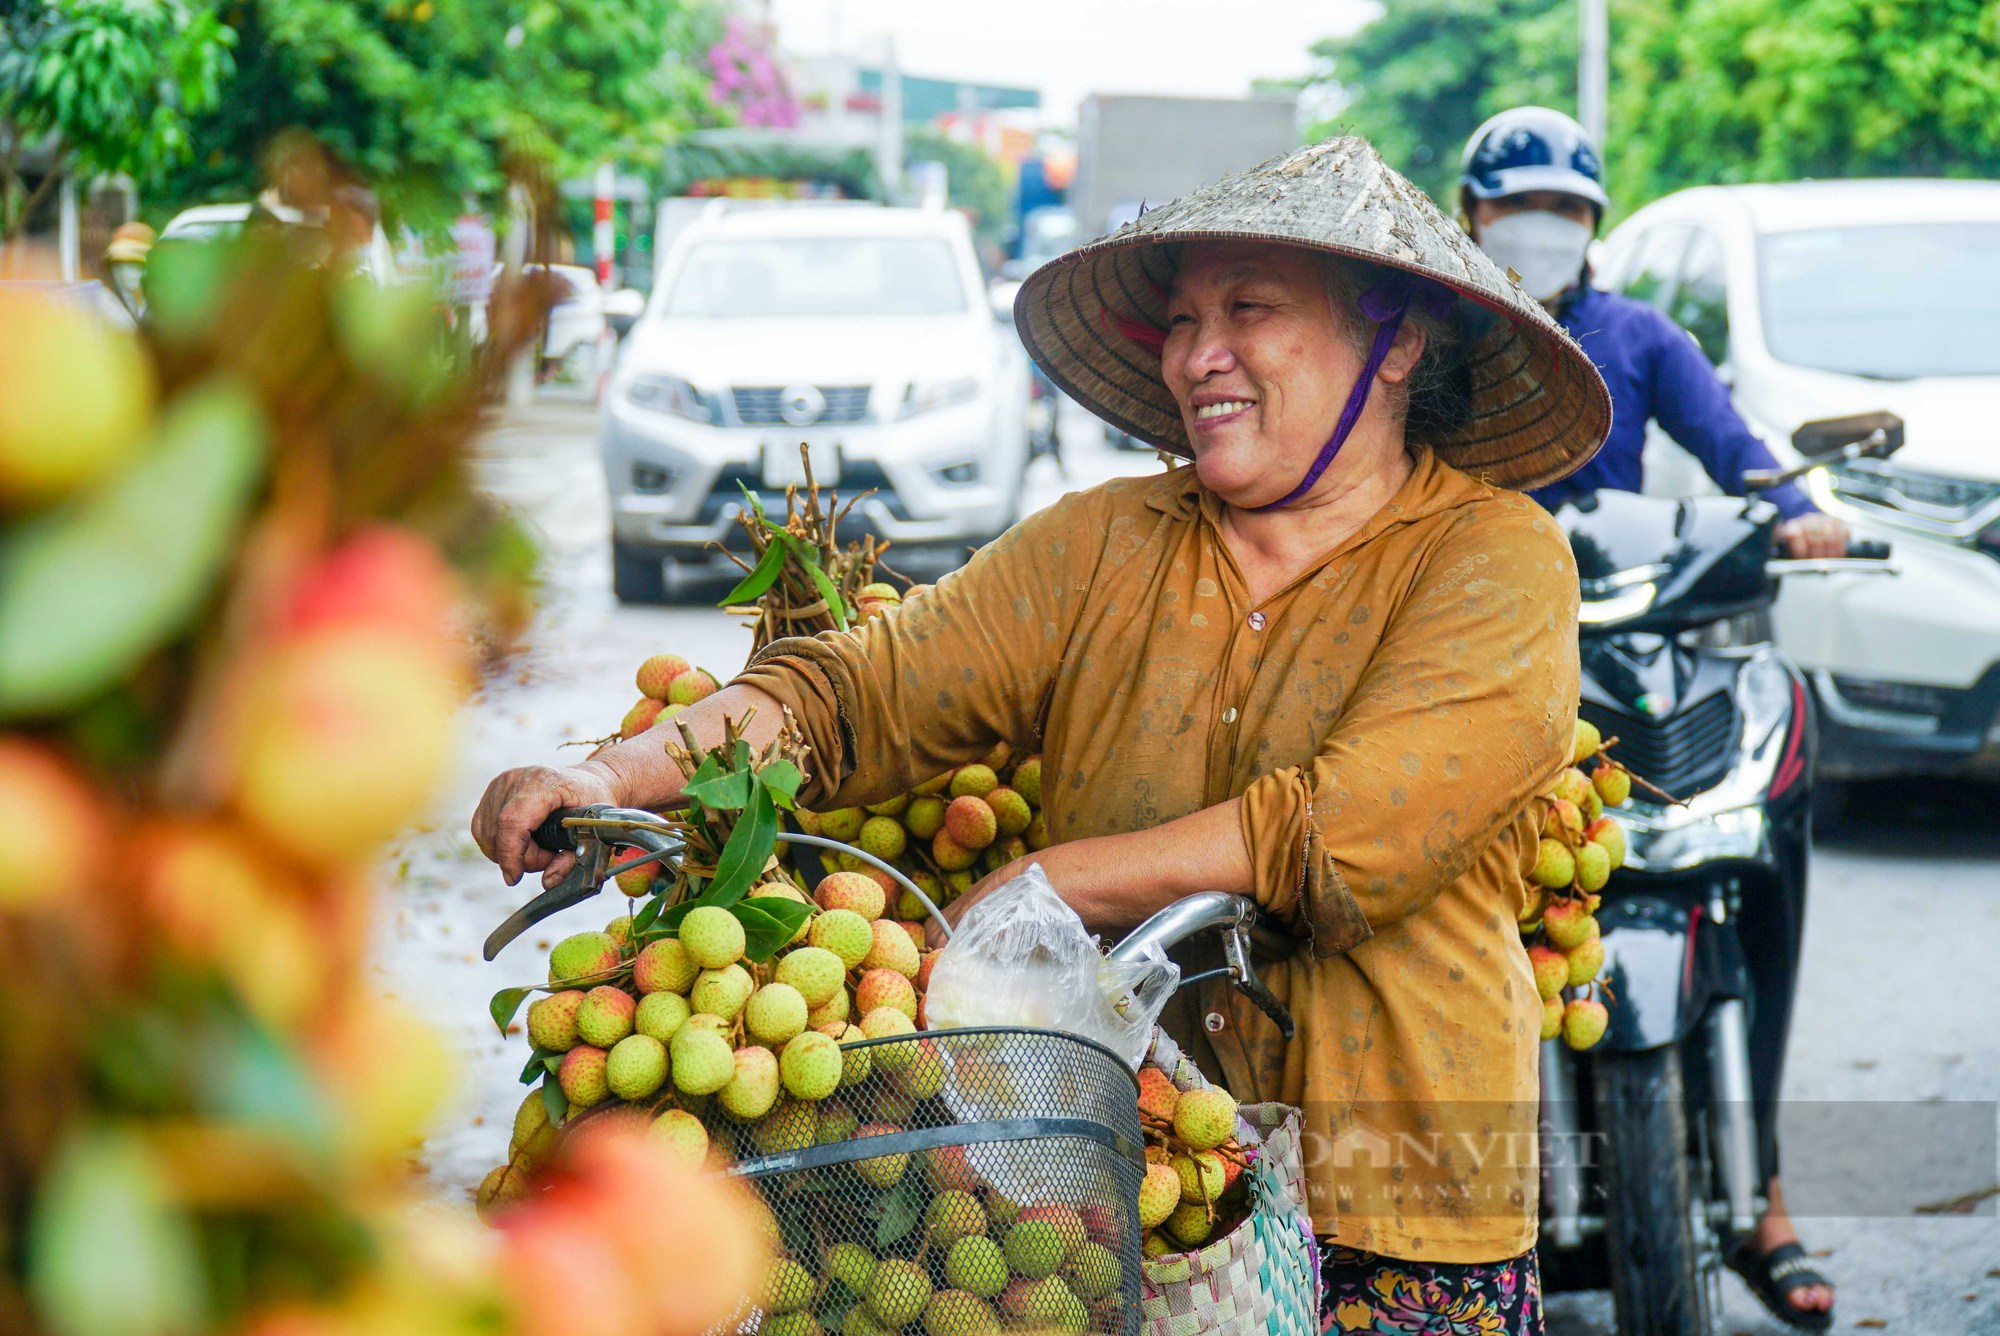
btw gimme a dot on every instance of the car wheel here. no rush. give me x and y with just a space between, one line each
637 574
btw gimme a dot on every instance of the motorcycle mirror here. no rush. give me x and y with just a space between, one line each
1826 436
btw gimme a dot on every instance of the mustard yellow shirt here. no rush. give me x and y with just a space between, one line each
1388 719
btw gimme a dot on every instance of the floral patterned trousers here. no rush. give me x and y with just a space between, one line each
1372 1295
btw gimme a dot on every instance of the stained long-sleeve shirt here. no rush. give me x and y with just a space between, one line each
1656 372
1388 720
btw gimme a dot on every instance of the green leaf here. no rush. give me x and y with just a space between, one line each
749 846
901 1211
769 924
88 592
670 918
725 791
552 1063
648 912
765 574
830 594
709 769
505 1003
781 779
553 1101
537 1064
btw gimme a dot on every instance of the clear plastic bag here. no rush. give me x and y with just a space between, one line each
1022 957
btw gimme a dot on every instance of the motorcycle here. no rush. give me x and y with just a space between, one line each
1649 1142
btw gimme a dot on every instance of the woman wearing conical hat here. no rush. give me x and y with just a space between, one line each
1329 664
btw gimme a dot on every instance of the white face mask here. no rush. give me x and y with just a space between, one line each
1545 249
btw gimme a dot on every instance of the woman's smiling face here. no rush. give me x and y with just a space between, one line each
1258 364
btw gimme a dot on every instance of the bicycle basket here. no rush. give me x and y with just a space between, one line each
969 1178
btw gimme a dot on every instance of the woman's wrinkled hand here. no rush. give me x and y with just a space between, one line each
518 801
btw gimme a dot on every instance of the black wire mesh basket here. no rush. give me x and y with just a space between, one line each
958 1182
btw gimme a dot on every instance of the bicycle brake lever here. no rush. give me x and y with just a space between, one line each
1236 954
580 885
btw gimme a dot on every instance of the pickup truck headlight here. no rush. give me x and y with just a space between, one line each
928 396
671 394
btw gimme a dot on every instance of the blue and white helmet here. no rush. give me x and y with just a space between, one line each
1532 148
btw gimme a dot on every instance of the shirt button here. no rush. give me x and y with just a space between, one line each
1229 715
1256 621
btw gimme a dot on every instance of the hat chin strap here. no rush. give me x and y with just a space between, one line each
1386 303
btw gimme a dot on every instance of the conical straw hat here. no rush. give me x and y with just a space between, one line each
1539 408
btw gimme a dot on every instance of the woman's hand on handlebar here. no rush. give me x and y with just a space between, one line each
519 800
1813 535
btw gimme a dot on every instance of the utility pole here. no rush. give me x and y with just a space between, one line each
1593 74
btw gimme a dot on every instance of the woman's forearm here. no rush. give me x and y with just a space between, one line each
643 775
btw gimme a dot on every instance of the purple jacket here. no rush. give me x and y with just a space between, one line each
1655 370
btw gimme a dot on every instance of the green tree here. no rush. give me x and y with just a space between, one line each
1419 78
431 101
972 180
100 86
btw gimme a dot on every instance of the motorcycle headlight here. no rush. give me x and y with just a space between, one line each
671 394
929 396
1765 694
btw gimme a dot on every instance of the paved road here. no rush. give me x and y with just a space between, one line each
1899 998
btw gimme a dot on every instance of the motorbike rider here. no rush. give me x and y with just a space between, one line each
1530 194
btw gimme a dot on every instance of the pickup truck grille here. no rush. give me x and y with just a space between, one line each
764 405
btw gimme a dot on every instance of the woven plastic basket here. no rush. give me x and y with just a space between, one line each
1260 1279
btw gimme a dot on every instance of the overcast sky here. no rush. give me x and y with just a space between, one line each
1068 48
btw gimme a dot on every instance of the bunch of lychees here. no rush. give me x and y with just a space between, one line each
1193 1190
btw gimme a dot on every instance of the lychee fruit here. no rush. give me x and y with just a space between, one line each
664 966
775 1013
682 1133
974 781
582 956
883 836
970 822
1567 923
897 1292
700 1061
879 988
752 1091
1551 971
958 1313
953 1216
1555 866
693 685
855 1062
712 936
721 992
1564 822
1583 1022
1092 1271
1585 959
1027 780
1201 1174
1593 867
659 1015
784 890
1002 852
950 1170
619 929
842 823
1045 1304
1157 1094
1607 833
833 1011
1552 1017
850 1264
1588 742
950 855
658 672
1191 1223
1613 783
639 718
890 948
1572 785
1159 1195
924 818
1011 812
836 1122
552 1021
933 786
582 1078
636 1067
1204 1119
1035 1248
881 1171
504 1186
811 1066
605 1016
852 891
976 1265
895 806
791 1127
1156 1244
845 933
815 971
534 1135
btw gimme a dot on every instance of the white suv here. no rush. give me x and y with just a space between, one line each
863 332
1822 299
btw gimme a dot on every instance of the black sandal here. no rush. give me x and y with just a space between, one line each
1774 1275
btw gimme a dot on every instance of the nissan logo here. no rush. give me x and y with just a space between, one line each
801 405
